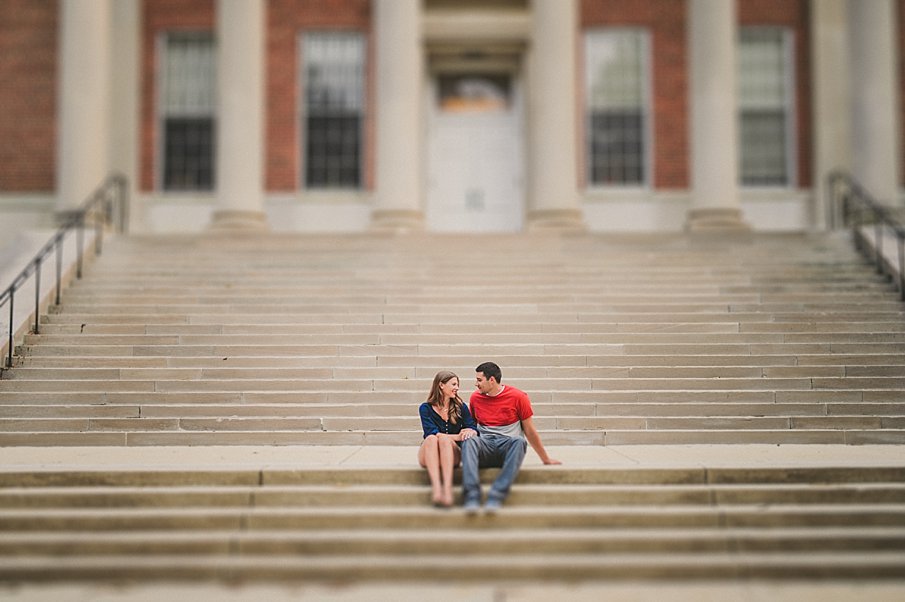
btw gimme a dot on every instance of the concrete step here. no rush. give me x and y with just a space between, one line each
311 288
534 329
379 543
467 353
400 519
597 311
323 496
364 399
401 372
477 568
776 522
534 364
535 385
211 433
259 422
165 408
465 342
757 313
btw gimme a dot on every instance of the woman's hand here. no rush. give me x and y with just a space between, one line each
467 434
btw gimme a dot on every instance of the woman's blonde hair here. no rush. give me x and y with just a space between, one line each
435 397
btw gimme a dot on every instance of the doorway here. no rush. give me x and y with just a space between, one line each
475 179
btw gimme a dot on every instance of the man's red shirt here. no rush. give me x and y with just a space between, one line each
508 407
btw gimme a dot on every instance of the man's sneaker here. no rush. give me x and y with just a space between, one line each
492 506
472 506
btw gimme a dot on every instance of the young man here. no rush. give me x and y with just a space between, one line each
503 414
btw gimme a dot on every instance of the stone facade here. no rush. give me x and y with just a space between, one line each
38 158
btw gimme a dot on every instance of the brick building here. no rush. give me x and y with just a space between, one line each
449 115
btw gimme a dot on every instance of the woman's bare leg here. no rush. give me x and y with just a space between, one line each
429 457
448 451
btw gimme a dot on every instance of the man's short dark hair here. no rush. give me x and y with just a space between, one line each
490 370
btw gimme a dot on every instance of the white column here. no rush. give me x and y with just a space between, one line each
240 115
831 100
714 128
83 100
553 127
875 99
399 68
126 86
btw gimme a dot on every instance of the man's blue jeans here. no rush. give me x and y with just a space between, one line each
491 451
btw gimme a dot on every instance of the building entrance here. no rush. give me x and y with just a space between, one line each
475 180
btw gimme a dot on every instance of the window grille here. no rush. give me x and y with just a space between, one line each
765 98
333 108
188 108
616 101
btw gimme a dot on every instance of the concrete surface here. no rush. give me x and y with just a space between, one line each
358 456
610 592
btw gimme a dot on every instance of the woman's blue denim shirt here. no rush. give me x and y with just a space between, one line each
433 424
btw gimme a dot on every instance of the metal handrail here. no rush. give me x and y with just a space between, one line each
859 208
106 206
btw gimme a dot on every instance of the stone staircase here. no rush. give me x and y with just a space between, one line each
366 525
332 341
177 341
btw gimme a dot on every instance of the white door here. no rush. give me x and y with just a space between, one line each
475 154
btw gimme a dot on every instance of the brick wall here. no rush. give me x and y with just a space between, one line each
286 19
28 72
666 20
793 14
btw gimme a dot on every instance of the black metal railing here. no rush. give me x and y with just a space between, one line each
106 207
859 209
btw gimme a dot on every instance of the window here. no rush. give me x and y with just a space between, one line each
333 108
616 101
188 107
765 100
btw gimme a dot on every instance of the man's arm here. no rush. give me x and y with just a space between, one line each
533 438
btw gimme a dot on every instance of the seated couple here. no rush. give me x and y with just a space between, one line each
490 431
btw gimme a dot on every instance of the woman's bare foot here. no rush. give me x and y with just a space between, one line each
448 498
438 499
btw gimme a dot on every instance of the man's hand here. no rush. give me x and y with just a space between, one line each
551 461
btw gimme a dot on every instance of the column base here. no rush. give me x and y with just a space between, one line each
715 220
556 220
397 221
238 221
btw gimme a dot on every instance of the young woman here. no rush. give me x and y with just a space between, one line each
446 422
